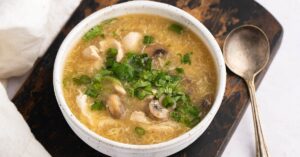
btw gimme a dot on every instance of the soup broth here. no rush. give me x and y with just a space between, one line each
139 79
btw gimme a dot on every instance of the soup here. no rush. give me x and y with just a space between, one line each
139 79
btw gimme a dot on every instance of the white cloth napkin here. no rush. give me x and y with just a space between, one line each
27 27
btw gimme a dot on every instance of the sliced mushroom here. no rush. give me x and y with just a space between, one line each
158 111
132 41
91 52
115 106
139 116
156 50
112 43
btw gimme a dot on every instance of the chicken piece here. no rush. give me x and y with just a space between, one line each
158 111
132 41
81 101
119 88
112 43
96 65
106 123
115 106
91 52
139 116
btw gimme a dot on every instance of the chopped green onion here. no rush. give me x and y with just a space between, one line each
112 52
177 28
93 33
179 70
111 57
123 71
186 58
176 116
167 63
168 101
139 131
105 72
82 80
141 83
110 80
91 92
148 39
98 105
141 93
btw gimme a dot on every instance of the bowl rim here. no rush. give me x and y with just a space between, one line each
206 37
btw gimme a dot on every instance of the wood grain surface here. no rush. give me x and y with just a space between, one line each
37 103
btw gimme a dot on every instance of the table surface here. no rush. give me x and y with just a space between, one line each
277 95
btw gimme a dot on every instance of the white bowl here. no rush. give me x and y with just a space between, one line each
114 148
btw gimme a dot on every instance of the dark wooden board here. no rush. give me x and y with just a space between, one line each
37 103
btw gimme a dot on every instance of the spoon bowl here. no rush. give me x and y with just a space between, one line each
246 51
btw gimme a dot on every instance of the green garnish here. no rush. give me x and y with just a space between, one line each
179 70
177 28
139 131
168 101
98 105
97 30
141 93
167 63
187 114
186 58
91 92
104 72
139 62
140 80
148 39
93 33
82 80
110 80
123 71
111 57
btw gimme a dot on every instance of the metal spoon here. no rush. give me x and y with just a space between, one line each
246 52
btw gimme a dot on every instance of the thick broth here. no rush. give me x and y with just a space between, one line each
200 80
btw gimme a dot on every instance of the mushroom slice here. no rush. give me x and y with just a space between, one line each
132 41
139 116
115 106
112 43
91 52
156 50
157 110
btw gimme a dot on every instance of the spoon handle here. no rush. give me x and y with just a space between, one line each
261 147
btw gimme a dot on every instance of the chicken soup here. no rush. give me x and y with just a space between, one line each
139 79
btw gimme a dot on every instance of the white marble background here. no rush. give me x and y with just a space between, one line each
278 95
